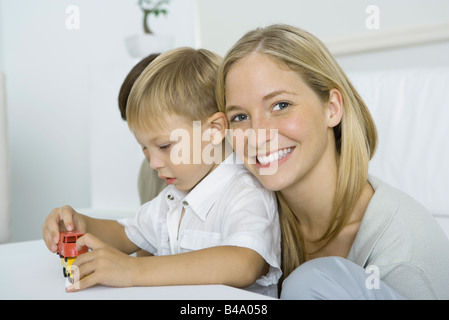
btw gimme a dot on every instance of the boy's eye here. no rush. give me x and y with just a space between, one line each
164 146
239 117
280 106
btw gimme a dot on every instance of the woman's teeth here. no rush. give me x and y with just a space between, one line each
275 156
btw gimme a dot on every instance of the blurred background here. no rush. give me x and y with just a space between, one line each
63 62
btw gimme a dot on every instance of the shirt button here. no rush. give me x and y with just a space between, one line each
170 197
185 203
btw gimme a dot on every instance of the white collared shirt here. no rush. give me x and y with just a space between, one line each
229 207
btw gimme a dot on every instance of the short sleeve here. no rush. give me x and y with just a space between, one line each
141 229
252 222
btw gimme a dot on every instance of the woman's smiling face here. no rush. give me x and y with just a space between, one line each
291 124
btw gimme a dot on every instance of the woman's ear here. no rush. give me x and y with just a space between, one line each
218 123
335 105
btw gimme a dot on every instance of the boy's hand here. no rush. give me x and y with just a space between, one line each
103 265
61 219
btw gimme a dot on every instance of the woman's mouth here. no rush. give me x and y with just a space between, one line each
266 160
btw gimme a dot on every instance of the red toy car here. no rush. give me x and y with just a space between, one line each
67 249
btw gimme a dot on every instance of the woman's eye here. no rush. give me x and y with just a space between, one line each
280 106
239 117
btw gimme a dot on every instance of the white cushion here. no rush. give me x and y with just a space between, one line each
411 111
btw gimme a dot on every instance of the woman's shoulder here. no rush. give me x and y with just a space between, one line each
397 228
399 235
395 207
392 199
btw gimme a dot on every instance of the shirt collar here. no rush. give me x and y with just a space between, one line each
201 198
173 196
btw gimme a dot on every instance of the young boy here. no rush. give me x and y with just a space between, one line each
149 185
213 224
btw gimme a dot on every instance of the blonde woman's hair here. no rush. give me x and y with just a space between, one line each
355 136
178 82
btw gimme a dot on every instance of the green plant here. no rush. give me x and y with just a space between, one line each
152 7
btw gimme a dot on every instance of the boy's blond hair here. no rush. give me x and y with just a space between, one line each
178 82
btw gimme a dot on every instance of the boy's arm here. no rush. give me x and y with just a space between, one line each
112 233
229 265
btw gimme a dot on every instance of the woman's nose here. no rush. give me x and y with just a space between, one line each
261 134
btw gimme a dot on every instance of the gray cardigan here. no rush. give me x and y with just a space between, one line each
400 237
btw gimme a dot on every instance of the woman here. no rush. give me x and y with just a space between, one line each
345 234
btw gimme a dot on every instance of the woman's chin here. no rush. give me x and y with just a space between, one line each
272 182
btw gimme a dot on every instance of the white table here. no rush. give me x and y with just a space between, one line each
28 270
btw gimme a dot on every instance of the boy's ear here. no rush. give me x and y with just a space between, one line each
217 123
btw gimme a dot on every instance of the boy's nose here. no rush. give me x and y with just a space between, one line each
156 163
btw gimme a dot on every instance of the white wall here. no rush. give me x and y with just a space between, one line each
66 136
4 167
1 38
430 55
47 112
113 172
224 22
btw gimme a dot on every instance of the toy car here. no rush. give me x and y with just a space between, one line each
67 250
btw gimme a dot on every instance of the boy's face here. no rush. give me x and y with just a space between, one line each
164 155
